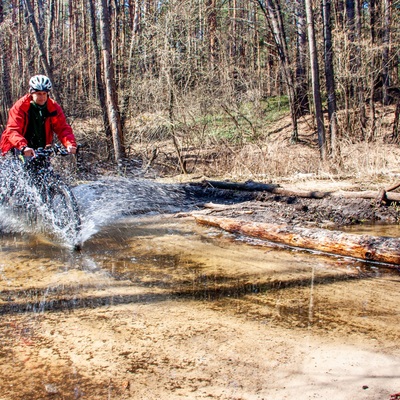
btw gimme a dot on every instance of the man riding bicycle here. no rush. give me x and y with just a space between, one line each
33 120
32 188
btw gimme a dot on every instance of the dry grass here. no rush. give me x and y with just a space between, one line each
269 157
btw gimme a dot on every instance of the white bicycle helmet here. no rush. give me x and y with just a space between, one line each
39 83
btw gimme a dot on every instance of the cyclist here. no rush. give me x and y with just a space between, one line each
33 120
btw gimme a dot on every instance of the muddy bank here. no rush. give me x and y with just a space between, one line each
332 211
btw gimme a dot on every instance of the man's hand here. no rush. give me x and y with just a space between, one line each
28 152
71 149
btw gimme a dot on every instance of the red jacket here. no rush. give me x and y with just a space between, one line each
14 134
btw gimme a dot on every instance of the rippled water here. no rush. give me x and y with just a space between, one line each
135 256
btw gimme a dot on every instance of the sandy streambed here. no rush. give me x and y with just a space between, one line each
163 309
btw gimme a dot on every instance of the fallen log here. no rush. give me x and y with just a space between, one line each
365 247
394 186
312 194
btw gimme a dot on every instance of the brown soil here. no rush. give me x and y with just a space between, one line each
329 212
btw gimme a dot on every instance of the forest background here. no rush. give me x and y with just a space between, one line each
242 88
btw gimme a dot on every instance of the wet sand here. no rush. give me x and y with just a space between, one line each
159 308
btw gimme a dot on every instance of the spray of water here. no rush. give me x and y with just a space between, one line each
20 203
22 208
100 202
105 201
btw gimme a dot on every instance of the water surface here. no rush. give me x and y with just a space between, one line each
99 323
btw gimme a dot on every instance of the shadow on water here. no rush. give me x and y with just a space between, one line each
206 287
176 275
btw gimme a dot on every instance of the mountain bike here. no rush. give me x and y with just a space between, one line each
40 192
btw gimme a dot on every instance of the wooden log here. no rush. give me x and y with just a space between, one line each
312 194
365 247
394 186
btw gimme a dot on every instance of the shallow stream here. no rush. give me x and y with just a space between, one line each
159 307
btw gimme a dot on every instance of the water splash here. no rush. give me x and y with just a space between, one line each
22 208
20 202
107 200
100 203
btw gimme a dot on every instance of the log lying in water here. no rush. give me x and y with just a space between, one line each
313 194
365 247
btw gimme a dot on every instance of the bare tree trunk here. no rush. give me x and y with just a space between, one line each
395 131
39 43
315 80
358 62
302 103
329 76
387 4
173 133
135 42
99 79
350 27
5 75
347 8
273 16
111 94
5 68
50 32
41 14
371 134
212 28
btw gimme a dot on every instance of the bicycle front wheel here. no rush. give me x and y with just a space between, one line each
64 211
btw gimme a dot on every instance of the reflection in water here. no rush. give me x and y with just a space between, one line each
374 230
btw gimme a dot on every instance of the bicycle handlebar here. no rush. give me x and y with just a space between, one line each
54 149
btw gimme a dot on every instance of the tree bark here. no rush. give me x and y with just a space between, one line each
99 80
273 15
212 32
395 130
387 7
365 247
111 94
49 38
312 194
132 58
360 82
172 129
330 78
301 101
5 73
374 72
316 81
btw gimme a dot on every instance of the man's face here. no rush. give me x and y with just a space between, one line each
40 98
